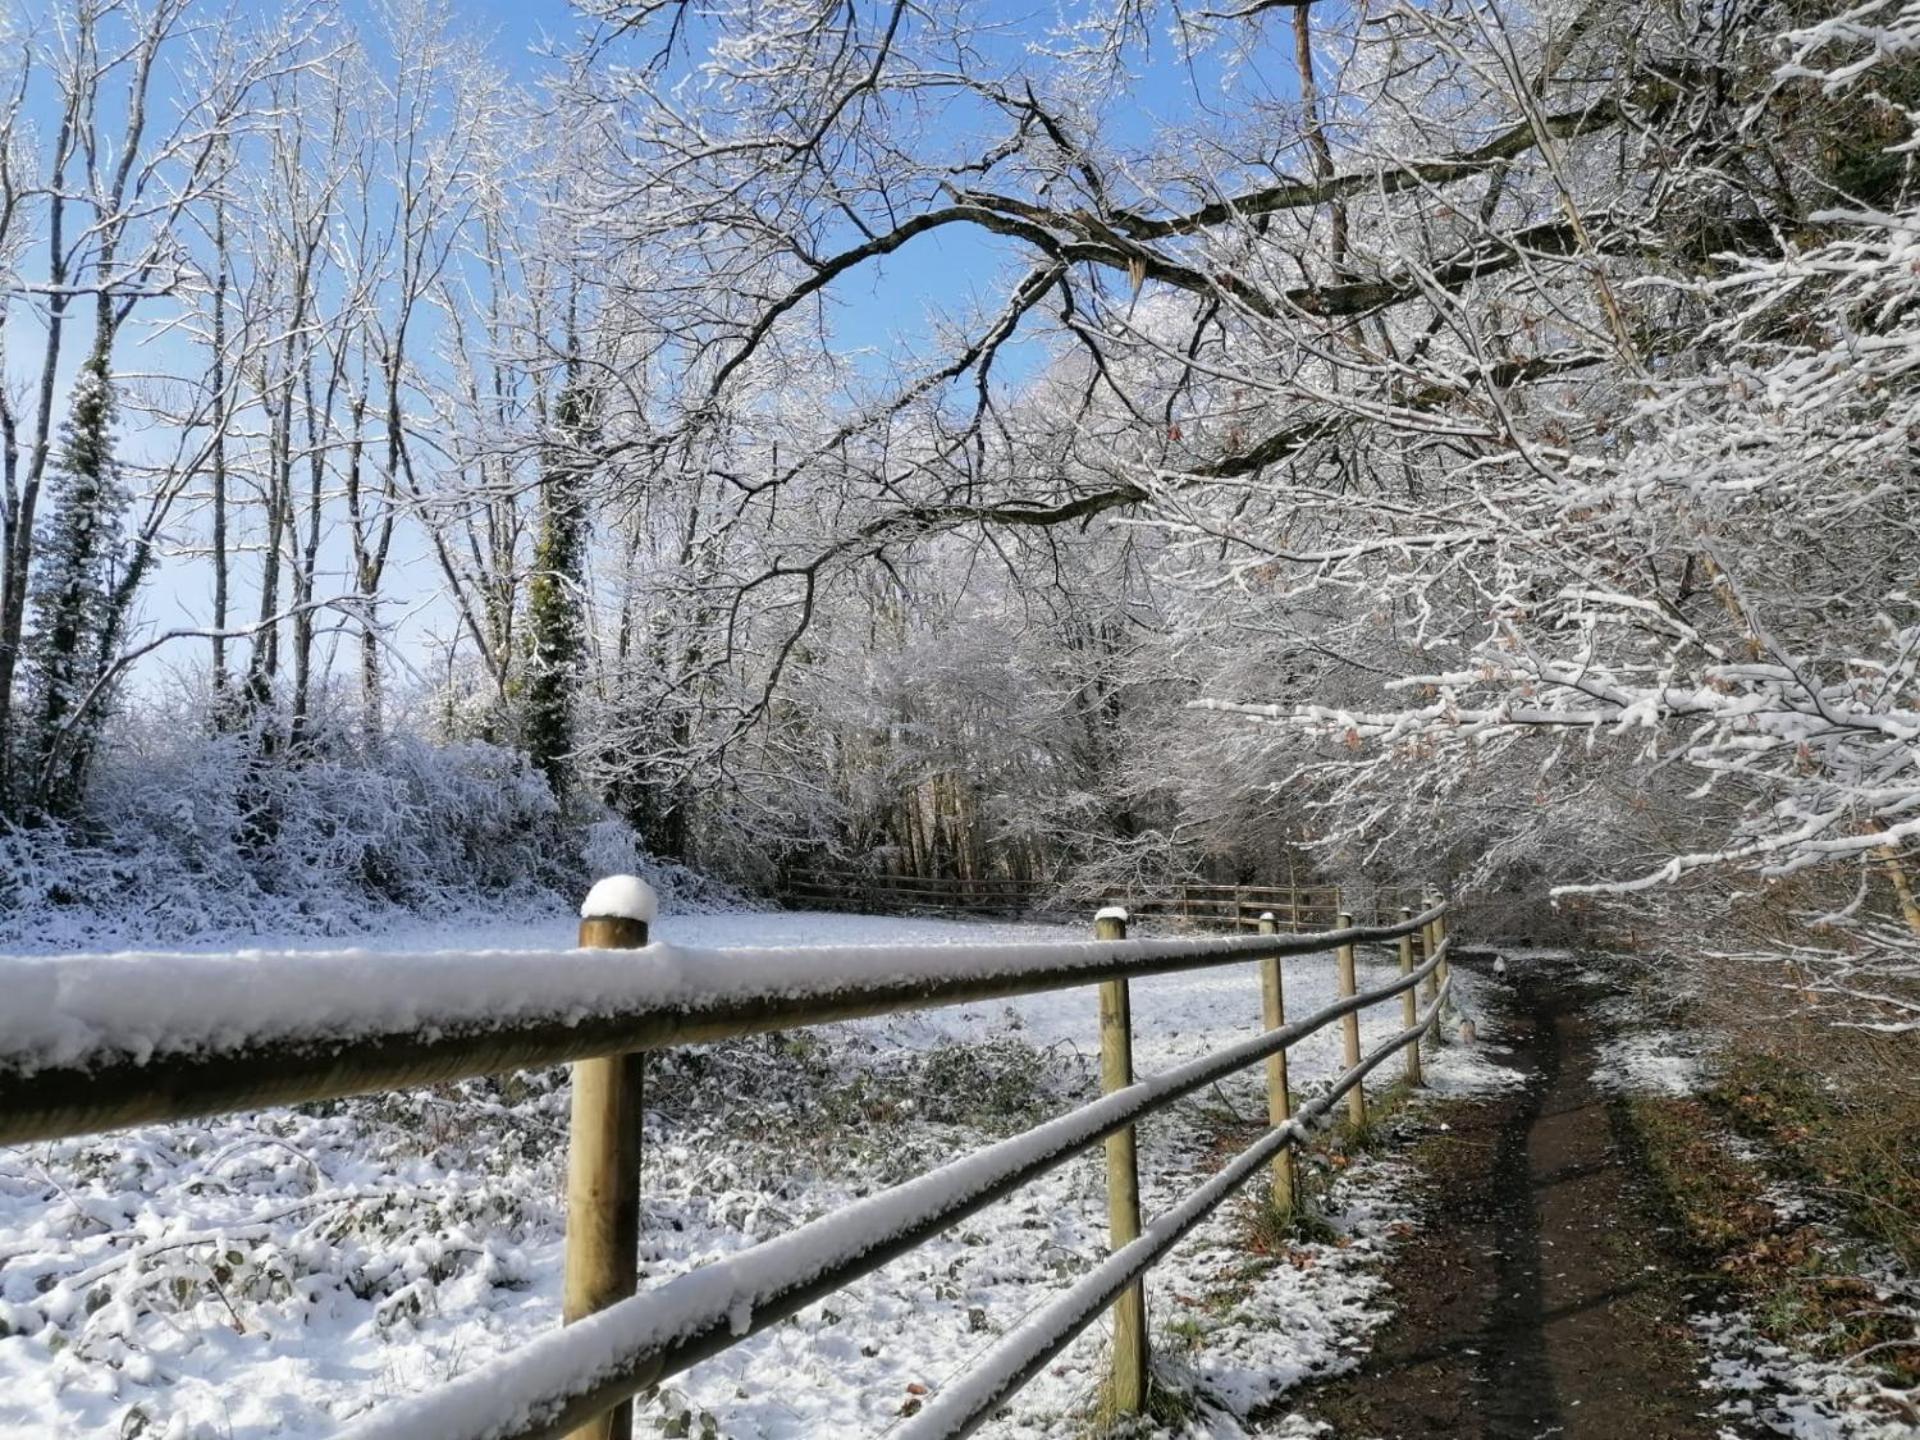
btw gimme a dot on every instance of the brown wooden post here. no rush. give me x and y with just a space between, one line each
1445 967
1432 988
1128 1393
1273 1013
1409 1002
1350 1026
603 1149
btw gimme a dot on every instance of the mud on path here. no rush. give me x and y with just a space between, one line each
1536 1301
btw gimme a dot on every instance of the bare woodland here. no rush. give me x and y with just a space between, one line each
1476 446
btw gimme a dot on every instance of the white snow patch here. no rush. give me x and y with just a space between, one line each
1791 1393
1111 912
1650 1062
1453 1069
1645 1054
1782 1387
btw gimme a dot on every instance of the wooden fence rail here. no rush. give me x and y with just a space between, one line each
1299 909
98 1041
852 890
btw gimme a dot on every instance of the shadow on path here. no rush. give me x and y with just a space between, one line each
1535 1302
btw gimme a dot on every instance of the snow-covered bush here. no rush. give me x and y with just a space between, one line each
191 831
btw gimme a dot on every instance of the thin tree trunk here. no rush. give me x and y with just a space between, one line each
307 551
21 508
1316 132
218 466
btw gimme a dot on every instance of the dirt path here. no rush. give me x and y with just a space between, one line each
1535 1301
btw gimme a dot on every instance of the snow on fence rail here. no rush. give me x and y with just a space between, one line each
92 1042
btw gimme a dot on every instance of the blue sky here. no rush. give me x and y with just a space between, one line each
884 304
883 307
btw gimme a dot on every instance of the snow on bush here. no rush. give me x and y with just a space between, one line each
195 834
612 848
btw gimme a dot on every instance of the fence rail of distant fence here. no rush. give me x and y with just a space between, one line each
1299 908
89 1043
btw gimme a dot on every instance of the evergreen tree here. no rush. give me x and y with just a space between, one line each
78 550
556 619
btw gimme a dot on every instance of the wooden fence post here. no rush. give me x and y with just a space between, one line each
1409 1002
1350 1026
1273 1013
603 1148
1431 989
1128 1395
1445 967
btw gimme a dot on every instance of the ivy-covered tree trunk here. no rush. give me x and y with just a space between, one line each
71 592
556 611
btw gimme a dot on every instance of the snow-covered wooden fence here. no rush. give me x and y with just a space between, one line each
1299 908
818 889
93 1042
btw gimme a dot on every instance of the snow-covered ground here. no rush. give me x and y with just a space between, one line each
275 1274
1655 1061
1643 1052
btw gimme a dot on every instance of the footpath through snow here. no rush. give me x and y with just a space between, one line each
1551 1297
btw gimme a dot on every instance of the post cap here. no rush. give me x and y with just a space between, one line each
620 897
1267 915
1111 912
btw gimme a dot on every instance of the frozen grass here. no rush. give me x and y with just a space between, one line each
1808 1333
275 1274
1795 1202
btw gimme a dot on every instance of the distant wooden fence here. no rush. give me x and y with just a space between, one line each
1300 909
93 1042
858 890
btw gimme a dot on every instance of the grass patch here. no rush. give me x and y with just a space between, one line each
1170 1409
1710 1195
1272 1231
1384 1106
1800 1288
1860 1151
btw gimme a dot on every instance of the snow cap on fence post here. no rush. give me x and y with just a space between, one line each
1111 912
620 897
